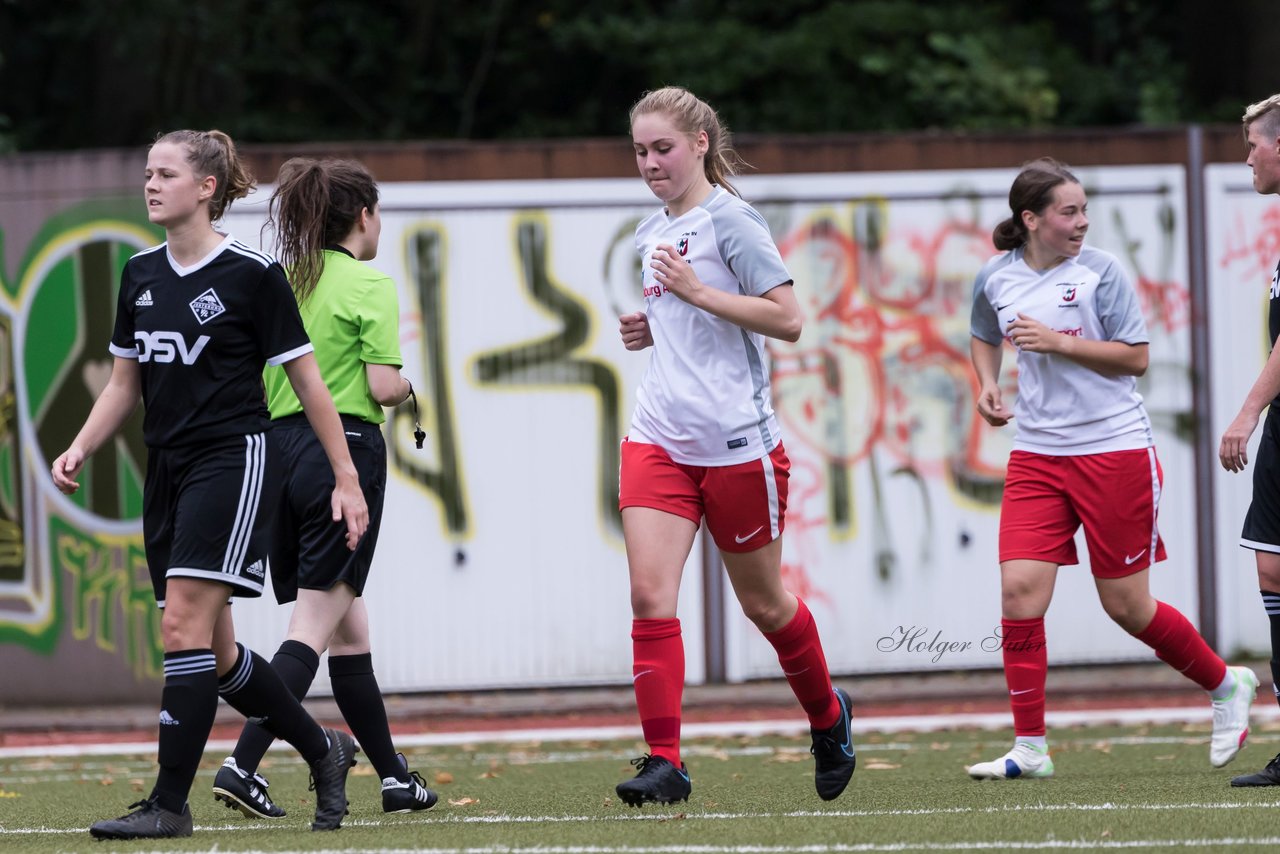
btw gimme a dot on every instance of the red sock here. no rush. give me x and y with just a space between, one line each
658 677
800 654
1026 663
1179 645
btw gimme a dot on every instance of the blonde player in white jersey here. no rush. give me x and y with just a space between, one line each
1083 454
704 441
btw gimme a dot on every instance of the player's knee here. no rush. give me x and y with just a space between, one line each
1131 614
651 603
767 615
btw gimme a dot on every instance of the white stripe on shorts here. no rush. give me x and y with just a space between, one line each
247 510
1155 501
771 487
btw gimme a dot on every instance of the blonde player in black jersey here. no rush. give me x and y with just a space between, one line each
1262 522
197 319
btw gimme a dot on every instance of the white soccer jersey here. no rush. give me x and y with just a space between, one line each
1064 408
705 395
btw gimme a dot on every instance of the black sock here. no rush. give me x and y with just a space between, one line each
1271 601
355 690
187 706
296 664
253 689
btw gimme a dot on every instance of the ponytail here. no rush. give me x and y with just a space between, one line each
316 204
213 153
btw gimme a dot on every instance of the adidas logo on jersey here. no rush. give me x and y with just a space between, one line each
145 299
255 568
207 306
167 719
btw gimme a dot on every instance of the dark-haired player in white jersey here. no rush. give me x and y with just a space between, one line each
197 319
704 441
1083 455
1262 523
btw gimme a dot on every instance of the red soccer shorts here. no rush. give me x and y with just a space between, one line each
745 504
1115 496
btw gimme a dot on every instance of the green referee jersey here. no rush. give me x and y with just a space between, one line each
352 318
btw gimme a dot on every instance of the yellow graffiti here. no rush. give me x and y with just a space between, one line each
109 597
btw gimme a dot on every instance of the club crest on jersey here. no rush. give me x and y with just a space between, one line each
1068 292
207 306
145 299
682 246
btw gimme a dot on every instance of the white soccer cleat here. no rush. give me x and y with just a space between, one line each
1025 760
1231 718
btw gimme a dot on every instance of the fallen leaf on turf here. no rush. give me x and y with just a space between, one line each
10 794
880 765
490 775
443 778
363 771
940 745
462 802
106 781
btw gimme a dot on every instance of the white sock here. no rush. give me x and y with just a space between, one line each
1039 742
1226 688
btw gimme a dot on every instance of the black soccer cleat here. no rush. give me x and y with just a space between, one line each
243 791
329 780
658 781
412 796
833 755
148 820
1268 776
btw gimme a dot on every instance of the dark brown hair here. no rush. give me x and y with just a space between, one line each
316 204
211 152
1032 191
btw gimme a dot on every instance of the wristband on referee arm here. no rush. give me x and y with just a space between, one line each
419 435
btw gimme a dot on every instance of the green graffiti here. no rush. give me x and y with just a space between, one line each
64 293
108 595
550 361
67 365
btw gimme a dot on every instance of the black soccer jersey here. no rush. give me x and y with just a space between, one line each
1273 318
201 335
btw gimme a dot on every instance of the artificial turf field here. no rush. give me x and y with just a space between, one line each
1134 788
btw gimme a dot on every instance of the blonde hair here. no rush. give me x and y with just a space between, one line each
211 152
690 115
1266 111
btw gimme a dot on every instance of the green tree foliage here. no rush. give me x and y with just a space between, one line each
80 73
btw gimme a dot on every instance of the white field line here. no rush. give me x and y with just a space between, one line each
835 848
806 815
724 729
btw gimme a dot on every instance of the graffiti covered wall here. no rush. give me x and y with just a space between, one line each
501 560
